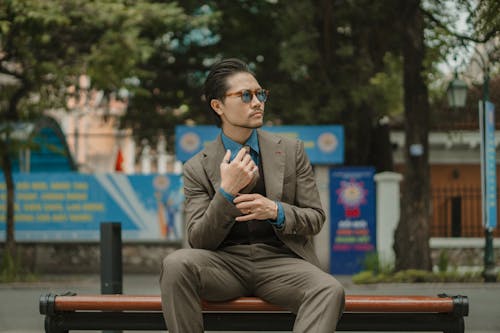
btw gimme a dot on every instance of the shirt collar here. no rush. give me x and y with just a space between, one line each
235 147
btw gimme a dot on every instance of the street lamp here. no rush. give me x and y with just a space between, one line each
457 93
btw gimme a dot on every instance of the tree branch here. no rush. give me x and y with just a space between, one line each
462 37
6 71
22 91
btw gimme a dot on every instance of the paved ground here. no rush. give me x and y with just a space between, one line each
19 301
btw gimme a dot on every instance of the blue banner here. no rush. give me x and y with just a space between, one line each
489 165
71 206
352 211
324 144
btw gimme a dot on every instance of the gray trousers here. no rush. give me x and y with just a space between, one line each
274 274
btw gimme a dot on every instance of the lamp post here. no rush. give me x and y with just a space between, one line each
487 113
457 93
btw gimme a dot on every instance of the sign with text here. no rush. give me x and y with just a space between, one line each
352 211
71 206
324 144
488 164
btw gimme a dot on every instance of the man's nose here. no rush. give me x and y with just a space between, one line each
255 100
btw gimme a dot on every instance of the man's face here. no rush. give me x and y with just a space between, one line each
233 111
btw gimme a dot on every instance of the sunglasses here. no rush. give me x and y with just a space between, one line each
247 95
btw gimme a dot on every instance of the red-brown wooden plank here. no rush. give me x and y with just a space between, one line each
354 303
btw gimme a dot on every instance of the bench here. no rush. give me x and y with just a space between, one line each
362 313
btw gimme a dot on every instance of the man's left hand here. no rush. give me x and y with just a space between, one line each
255 207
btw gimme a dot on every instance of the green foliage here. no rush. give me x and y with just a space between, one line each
327 56
46 45
453 30
11 270
376 272
8 270
372 263
387 86
443 261
340 61
485 18
412 276
298 52
416 276
365 277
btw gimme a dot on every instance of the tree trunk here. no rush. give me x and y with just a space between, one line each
6 164
412 234
380 155
10 242
359 131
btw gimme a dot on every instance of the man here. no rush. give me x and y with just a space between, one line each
251 207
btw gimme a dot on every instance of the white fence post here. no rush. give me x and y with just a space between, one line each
129 155
161 160
388 213
146 159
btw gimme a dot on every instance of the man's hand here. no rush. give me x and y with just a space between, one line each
256 207
238 173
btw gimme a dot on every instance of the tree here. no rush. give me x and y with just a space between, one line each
45 45
341 66
242 29
412 234
323 63
425 35
352 63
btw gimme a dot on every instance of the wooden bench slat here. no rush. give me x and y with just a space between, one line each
354 303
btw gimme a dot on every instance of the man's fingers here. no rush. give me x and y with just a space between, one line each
246 211
247 160
244 207
243 197
244 218
241 154
227 156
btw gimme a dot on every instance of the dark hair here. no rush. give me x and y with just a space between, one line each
216 82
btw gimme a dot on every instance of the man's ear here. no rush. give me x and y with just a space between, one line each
217 106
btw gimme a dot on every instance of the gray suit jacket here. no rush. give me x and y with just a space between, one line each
288 177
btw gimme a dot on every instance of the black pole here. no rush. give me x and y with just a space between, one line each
489 272
456 216
111 258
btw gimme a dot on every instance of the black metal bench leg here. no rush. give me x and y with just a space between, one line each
457 327
51 325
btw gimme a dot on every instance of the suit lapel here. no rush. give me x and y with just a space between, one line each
213 155
273 164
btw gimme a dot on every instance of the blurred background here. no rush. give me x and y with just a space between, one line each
98 87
